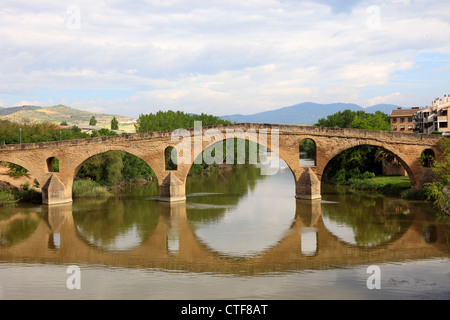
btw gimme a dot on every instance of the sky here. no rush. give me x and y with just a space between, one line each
222 57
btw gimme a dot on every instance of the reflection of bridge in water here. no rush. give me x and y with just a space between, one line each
306 245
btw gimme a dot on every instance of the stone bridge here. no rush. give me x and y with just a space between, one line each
283 140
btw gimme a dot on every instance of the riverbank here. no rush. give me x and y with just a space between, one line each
89 189
13 196
388 185
383 184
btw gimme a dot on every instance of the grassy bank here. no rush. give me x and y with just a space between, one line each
389 185
383 184
10 197
89 188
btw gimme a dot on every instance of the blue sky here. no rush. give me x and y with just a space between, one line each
222 57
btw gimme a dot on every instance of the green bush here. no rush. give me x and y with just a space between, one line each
414 194
362 184
7 198
368 175
89 188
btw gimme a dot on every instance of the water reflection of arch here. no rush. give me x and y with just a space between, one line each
390 219
95 215
193 256
17 227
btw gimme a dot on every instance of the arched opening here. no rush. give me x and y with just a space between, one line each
307 153
17 184
366 162
52 164
235 207
170 159
114 170
427 158
114 187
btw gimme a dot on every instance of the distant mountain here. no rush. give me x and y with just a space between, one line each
386 108
307 113
60 113
8 111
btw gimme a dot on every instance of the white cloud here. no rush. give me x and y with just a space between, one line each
216 56
393 98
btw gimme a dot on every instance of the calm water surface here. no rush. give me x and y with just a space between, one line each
240 235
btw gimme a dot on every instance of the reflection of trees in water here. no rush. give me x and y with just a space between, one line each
223 187
104 221
16 227
138 190
373 220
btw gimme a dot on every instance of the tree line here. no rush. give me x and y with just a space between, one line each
172 120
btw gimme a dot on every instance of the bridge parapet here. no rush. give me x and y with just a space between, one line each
414 138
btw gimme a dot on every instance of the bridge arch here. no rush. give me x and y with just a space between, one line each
32 176
170 159
427 157
307 152
52 164
84 160
408 163
239 142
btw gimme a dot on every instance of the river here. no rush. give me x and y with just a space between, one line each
240 235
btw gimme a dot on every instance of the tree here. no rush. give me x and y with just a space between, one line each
103 132
341 119
93 121
171 120
356 120
357 160
114 124
439 189
64 123
367 121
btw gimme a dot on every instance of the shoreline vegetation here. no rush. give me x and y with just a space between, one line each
13 196
399 186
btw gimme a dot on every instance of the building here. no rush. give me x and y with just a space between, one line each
432 119
89 129
435 118
425 121
402 120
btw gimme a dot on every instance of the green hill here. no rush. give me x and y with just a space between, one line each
58 114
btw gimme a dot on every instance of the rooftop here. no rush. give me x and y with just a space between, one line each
404 112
